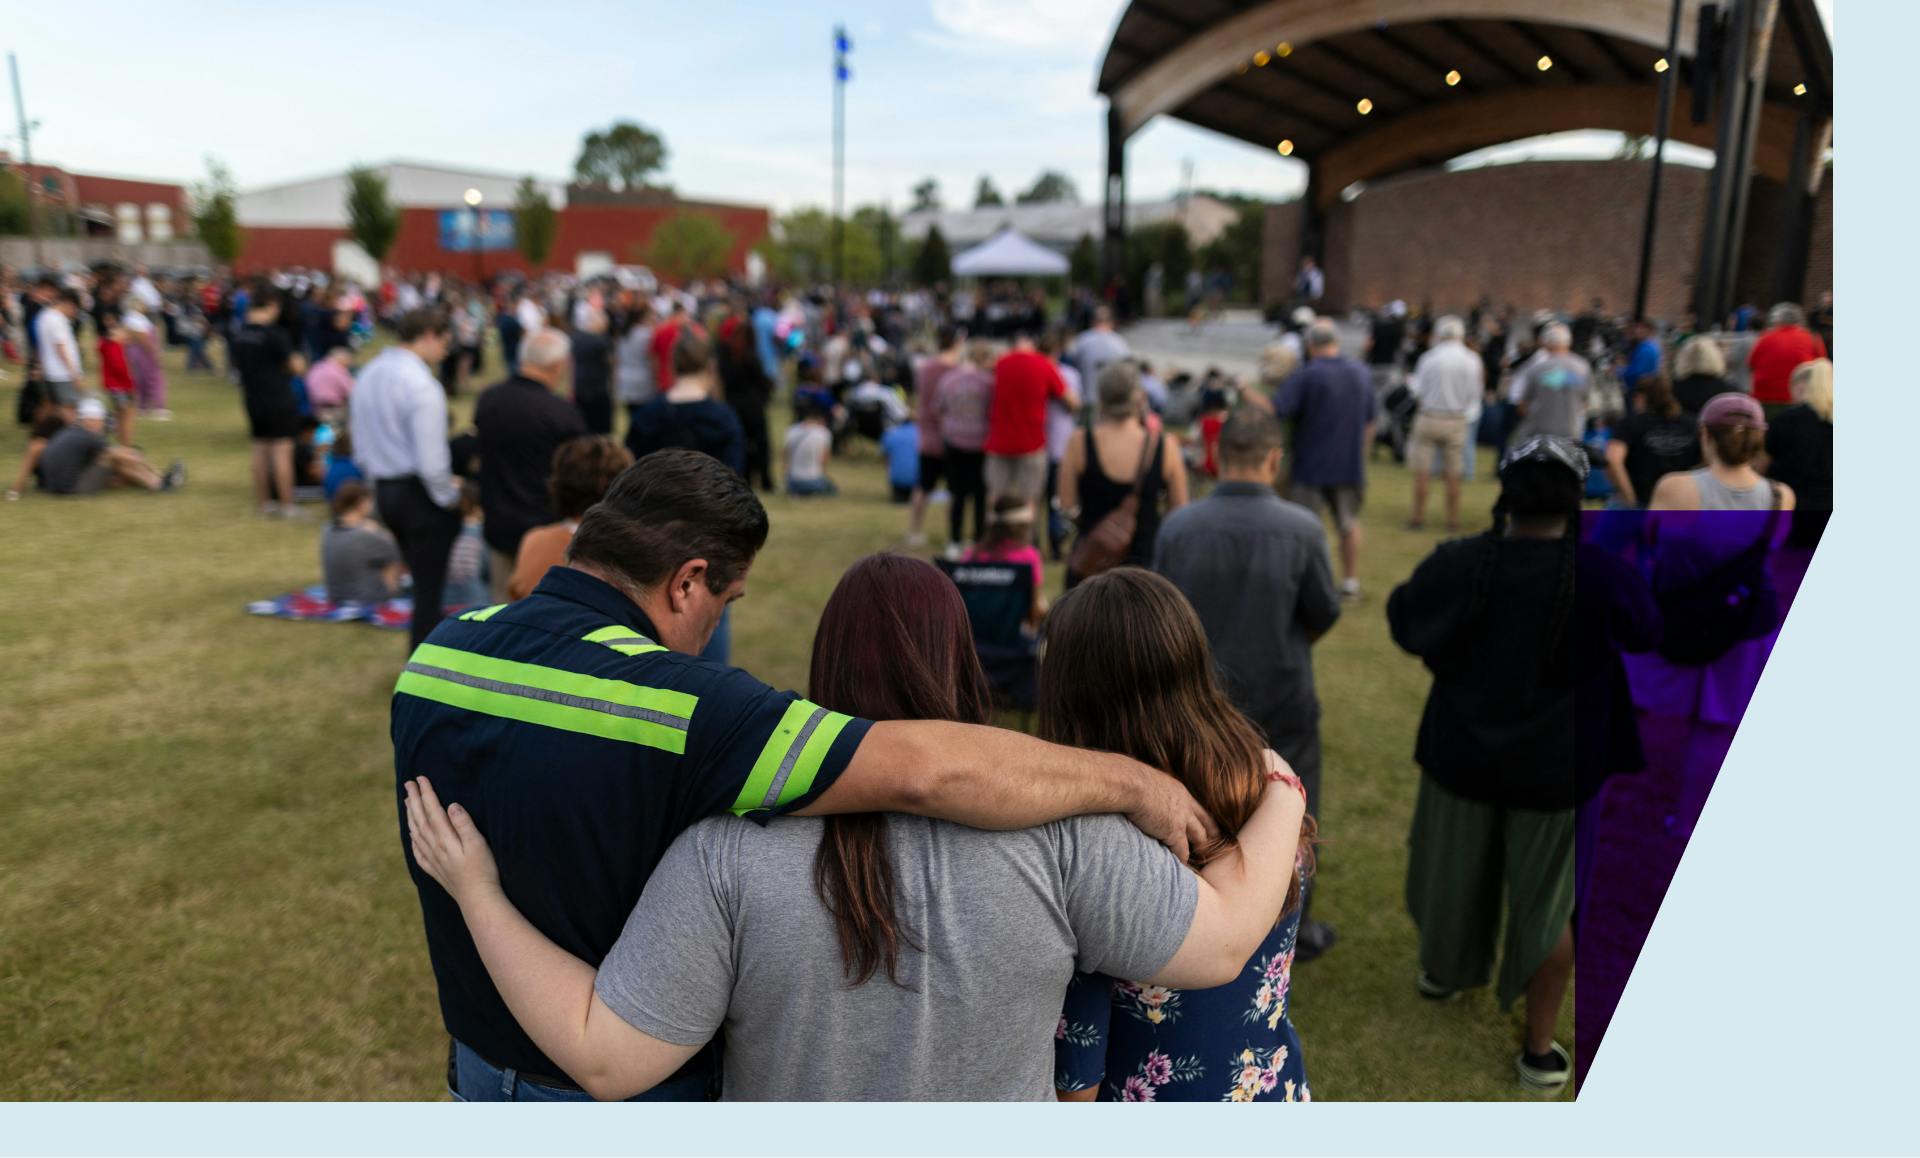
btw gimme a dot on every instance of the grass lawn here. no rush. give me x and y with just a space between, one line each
203 892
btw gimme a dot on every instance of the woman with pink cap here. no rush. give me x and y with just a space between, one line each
1733 432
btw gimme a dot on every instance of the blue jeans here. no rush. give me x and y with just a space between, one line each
471 1078
811 487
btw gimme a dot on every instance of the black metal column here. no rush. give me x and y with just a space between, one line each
1738 120
1313 222
1663 121
1796 233
1113 240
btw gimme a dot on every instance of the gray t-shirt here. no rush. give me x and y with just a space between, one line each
1555 390
66 457
731 934
352 559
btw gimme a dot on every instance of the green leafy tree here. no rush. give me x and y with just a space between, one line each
1237 250
373 219
688 246
13 202
1164 243
926 196
987 193
1084 261
804 252
933 261
1051 187
622 156
534 223
215 218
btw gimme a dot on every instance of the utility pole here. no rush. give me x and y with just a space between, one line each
26 163
841 46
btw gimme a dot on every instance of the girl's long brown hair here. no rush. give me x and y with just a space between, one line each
1128 670
893 644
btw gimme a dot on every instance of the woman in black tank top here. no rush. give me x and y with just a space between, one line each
1086 484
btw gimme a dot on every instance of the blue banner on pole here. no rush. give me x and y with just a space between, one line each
457 234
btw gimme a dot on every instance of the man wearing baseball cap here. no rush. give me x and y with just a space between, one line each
1733 432
77 459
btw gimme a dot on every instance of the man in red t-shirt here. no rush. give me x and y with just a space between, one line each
664 336
1786 345
1023 382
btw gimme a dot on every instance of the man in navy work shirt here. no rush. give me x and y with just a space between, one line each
583 733
1331 404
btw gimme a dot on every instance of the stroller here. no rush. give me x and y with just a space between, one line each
1397 410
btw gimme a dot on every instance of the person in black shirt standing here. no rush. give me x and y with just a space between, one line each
263 355
1660 437
1493 619
521 422
593 372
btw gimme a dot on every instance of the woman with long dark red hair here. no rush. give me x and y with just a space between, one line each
1128 670
874 956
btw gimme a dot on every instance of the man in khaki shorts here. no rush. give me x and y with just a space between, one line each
1448 384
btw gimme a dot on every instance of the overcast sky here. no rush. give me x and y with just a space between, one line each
740 89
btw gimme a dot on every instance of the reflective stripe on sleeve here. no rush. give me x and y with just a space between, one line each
623 640
482 614
791 758
550 697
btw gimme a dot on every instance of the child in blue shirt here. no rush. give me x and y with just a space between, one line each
901 445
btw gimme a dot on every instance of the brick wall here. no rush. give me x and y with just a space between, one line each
1544 234
1280 249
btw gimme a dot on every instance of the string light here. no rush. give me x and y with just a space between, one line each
1453 78
1660 65
1283 49
1799 90
1544 63
1260 58
1286 148
1365 106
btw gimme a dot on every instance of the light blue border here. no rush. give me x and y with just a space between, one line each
1772 1011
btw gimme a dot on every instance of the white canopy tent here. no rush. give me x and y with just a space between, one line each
1009 253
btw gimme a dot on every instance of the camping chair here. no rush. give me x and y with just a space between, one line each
998 597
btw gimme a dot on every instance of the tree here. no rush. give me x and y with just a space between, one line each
933 262
534 223
373 219
623 156
1164 243
215 217
1237 250
985 194
13 202
688 246
804 252
926 196
1049 188
1084 261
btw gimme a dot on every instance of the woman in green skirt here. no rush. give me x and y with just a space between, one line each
1492 617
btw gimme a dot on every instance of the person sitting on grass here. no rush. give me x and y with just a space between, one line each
359 560
583 469
809 446
871 955
1009 539
76 459
341 469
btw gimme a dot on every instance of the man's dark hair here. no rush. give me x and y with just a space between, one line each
1248 438
262 293
69 295
668 508
422 322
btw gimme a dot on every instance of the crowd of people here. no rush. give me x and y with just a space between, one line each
570 601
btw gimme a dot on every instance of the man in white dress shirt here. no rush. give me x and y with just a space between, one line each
399 414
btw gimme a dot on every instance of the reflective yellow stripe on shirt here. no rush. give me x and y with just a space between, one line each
624 640
791 757
550 697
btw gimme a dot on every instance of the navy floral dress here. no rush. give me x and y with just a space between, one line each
1148 1043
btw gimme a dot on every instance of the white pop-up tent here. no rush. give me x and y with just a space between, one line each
1009 253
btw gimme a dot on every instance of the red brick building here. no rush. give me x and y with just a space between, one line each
127 209
304 223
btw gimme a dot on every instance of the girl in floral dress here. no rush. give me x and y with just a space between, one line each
1128 670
